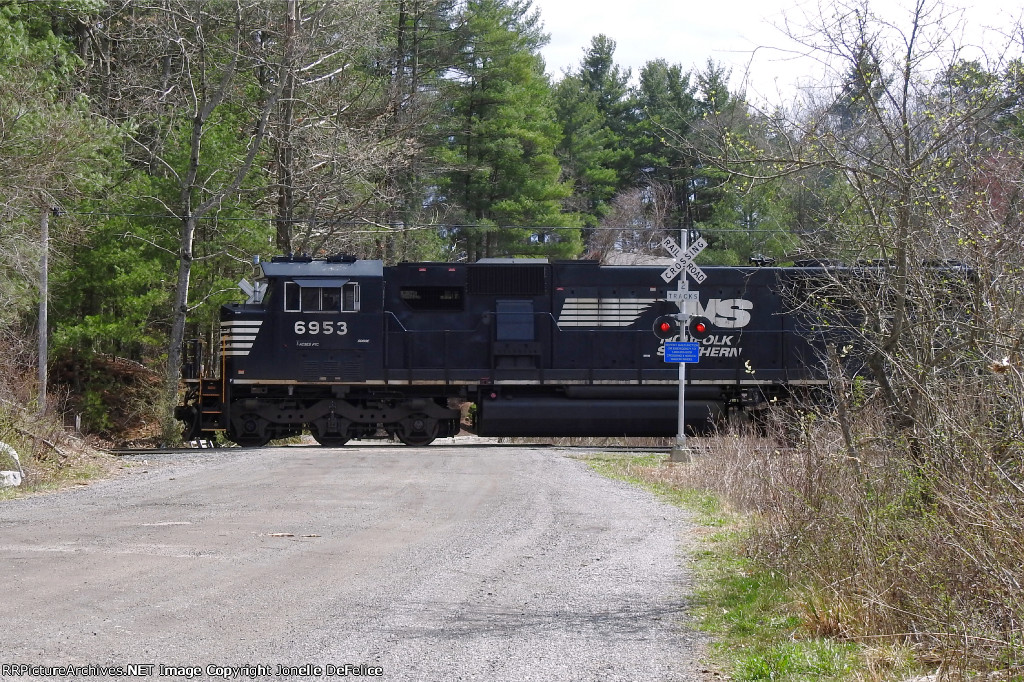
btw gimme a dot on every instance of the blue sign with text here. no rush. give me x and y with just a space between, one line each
682 351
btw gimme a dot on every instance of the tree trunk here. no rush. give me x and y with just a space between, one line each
44 295
177 339
285 156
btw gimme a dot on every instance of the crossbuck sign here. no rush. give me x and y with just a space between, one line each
684 260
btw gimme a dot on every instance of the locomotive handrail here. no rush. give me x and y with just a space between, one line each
391 313
483 321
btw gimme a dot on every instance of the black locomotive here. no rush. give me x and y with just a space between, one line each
349 349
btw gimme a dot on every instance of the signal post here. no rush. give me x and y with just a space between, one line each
683 352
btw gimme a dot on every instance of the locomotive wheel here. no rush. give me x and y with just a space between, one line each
250 431
329 438
417 430
251 441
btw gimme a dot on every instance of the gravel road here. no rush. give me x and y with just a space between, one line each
451 562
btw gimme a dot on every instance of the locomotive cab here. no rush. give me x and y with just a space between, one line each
318 322
306 352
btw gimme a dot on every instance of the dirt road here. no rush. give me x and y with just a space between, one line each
451 562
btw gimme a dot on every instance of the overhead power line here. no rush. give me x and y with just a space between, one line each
370 228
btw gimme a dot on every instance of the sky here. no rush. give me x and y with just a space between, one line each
743 35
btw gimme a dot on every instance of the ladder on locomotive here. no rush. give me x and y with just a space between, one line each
208 394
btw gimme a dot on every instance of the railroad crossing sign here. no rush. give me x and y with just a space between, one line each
684 260
254 292
682 352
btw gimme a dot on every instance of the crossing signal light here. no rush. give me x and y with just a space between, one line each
699 328
665 327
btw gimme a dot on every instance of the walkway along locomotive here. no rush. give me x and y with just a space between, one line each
349 349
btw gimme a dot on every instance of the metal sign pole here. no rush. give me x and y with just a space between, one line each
682 267
680 453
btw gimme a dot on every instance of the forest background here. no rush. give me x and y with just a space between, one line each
151 149
172 142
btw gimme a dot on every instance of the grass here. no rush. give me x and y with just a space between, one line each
76 474
757 629
55 473
636 469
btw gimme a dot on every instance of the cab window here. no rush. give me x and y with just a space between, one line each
308 297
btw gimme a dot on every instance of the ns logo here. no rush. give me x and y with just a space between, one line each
727 313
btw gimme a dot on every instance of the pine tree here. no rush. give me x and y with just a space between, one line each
595 149
52 152
504 175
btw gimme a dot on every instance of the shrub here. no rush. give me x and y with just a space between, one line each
910 539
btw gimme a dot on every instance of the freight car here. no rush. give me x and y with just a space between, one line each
349 349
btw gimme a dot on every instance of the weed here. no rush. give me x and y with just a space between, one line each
643 471
915 549
50 459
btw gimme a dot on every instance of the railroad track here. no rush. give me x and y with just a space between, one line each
358 445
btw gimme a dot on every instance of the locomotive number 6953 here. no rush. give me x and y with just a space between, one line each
327 327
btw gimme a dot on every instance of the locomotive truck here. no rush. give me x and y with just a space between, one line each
350 349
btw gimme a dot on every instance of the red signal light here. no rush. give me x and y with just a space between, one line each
699 328
666 326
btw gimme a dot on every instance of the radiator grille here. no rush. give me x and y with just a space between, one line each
506 280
